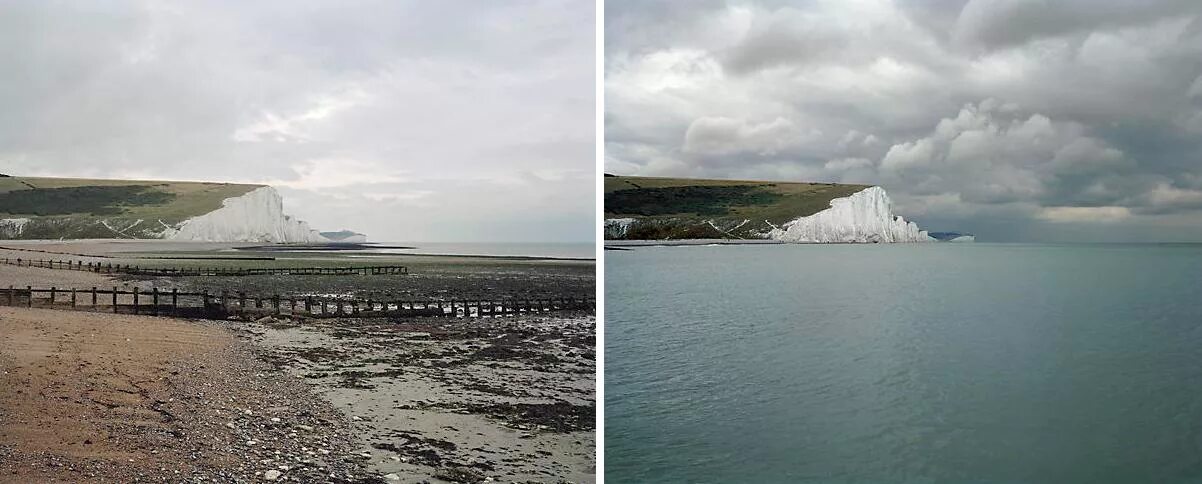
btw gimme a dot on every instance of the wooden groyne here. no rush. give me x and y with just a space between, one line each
225 304
109 268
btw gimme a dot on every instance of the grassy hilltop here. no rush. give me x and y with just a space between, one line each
77 208
681 208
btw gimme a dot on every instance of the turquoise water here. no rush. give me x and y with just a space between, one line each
904 363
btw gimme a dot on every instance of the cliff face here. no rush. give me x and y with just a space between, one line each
12 228
864 217
257 216
651 208
76 208
644 208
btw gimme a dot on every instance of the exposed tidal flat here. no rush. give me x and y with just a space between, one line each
125 397
904 363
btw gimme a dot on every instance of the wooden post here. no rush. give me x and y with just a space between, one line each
29 301
114 299
225 301
155 300
10 295
323 307
309 304
241 302
52 290
72 298
136 300
93 296
174 301
205 302
275 301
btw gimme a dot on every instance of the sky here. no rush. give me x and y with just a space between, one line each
1015 120
405 120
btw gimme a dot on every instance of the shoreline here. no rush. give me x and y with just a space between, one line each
426 399
130 249
688 242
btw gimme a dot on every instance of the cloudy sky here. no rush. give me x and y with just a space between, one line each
1073 120
407 120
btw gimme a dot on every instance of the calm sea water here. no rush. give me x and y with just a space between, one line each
570 250
904 363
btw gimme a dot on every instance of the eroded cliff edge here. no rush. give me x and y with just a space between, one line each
71 208
643 208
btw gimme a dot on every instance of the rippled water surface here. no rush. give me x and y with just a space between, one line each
572 250
904 363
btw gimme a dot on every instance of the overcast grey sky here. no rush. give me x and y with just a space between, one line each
407 120
1073 120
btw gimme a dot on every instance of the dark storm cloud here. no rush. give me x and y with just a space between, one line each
1045 115
409 120
993 24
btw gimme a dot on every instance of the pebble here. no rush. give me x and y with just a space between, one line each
272 475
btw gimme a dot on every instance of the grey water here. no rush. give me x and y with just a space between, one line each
904 363
563 250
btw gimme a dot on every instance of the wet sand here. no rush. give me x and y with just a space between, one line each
463 401
430 277
37 277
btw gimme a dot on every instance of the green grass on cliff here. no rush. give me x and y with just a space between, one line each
76 208
151 200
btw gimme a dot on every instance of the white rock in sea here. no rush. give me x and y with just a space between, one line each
865 216
257 216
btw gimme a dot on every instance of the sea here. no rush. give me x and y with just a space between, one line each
562 250
901 363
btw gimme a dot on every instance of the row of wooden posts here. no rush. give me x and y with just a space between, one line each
110 268
226 303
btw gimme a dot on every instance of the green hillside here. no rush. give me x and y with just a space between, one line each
77 208
681 208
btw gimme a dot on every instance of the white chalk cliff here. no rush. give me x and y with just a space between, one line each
865 216
11 228
257 216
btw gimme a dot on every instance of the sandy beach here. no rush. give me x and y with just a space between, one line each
117 398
